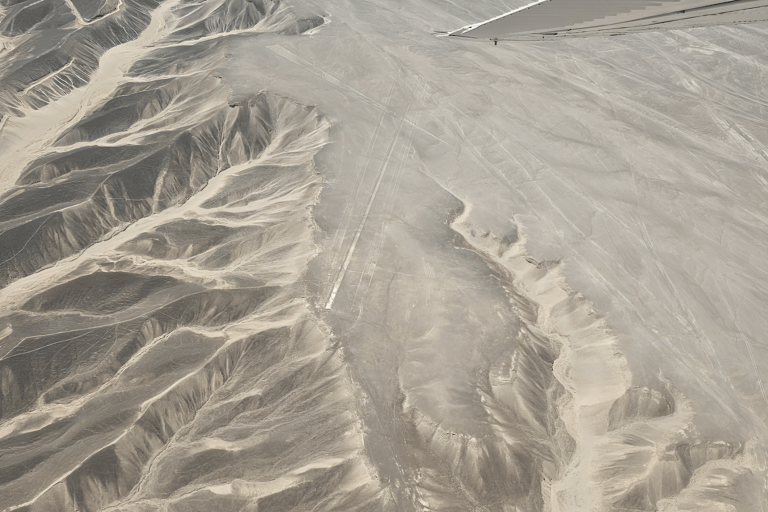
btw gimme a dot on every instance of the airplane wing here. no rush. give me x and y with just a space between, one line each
548 19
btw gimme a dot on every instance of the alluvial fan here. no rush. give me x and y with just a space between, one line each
267 257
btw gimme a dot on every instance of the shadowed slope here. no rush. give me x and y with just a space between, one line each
174 360
60 52
46 222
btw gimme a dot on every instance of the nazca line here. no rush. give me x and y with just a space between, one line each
361 225
295 59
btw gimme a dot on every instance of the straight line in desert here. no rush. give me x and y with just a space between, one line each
361 226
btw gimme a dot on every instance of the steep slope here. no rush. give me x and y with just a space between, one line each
153 257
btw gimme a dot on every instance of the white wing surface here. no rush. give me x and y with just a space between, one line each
563 18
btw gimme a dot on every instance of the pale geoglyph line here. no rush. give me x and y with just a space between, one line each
291 57
740 334
361 225
370 267
340 235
